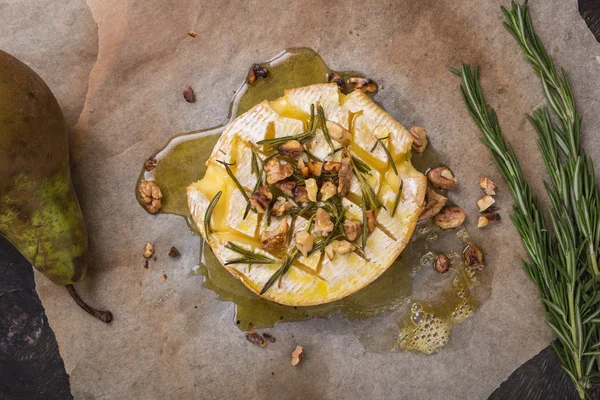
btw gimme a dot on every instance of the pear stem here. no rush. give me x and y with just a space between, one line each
104 316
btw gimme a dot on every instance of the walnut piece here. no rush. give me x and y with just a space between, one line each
442 178
150 164
261 199
474 257
338 132
419 135
311 189
281 207
332 166
291 148
344 247
485 202
330 251
188 94
328 190
442 264
315 168
173 252
486 218
433 204
150 195
450 217
364 84
270 240
371 218
304 171
487 185
297 355
256 71
277 171
287 187
148 250
300 194
352 229
344 177
323 224
333 77
304 242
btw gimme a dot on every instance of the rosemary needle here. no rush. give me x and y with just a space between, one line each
208 214
234 179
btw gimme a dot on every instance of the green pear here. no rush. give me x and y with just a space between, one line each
39 211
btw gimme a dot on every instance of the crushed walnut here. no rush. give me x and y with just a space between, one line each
297 355
344 177
303 168
338 132
287 187
281 207
304 242
256 71
486 218
474 257
432 204
276 171
150 195
188 94
450 217
352 229
371 218
148 250
300 194
442 178
173 252
419 135
311 189
485 202
291 148
332 167
150 164
261 199
270 240
328 190
442 264
344 247
333 77
487 185
255 338
315 168
323 224
364 84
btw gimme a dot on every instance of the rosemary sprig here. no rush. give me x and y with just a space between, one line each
257 170
248 256
563 265
208 214
276 142
361 166
398 196
234 179
281 271
387 153
323 122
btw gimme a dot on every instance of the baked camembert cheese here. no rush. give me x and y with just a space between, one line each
311 197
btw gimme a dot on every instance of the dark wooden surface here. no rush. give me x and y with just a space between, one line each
31 367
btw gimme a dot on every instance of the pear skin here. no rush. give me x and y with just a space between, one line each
39 211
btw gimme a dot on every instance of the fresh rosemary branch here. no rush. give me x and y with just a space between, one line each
387 153
564 265
234 179
398 196
248 256
323 121
208 214
281 271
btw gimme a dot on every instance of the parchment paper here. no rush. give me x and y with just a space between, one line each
172 339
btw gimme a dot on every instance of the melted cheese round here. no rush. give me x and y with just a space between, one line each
314 279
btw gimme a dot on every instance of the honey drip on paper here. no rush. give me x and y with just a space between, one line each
410 306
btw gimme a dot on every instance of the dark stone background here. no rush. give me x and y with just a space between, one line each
31 367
